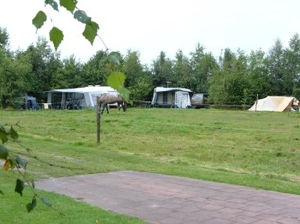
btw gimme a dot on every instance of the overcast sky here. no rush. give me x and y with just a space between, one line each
152 26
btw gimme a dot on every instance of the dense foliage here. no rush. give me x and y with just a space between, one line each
234 78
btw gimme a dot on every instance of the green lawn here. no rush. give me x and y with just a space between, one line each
255 149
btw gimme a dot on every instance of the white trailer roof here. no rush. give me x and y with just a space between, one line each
167 89
85 89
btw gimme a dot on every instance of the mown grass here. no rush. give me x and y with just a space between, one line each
255 149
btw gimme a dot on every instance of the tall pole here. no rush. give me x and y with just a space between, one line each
98 116
25 100
256 102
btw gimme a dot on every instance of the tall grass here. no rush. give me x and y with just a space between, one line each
256 149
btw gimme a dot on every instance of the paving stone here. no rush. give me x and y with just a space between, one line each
162 199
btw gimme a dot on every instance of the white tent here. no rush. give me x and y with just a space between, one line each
84 97
171 97
275 103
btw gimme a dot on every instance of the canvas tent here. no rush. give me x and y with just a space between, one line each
275 103
84 97
27 102
171 97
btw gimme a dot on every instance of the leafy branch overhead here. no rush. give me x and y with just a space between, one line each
116 80
18 163
90 32
56 35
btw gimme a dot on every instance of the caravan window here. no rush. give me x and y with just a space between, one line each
75 96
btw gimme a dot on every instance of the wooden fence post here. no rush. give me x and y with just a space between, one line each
256 102
98 116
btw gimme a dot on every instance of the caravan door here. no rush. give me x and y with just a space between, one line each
182 99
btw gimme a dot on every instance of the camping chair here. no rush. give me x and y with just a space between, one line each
45 106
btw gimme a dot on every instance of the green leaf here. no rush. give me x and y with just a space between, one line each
3 152
116 80
22 162
90 31
56 36
125 94
19 187
3 134
1 192
46 202
32 205
115 57
39 19
52 3
14 135
70 5
81 16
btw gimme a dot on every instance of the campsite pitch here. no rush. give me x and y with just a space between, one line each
255 149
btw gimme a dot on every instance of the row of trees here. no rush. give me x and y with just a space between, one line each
233 78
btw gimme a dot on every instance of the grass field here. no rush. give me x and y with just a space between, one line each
255 149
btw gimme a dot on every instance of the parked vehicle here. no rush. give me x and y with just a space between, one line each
199 100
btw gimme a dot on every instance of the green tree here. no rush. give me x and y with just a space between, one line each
239 84
12 84
132 67
291 75
258 75
230 84
98 68
276 68
181 71
44 65
137 80
162 71
142 88
220 81
69 74
4 39
203 65
13 70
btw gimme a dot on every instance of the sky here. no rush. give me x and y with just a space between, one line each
150 27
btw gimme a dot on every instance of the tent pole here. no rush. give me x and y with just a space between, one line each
256 102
